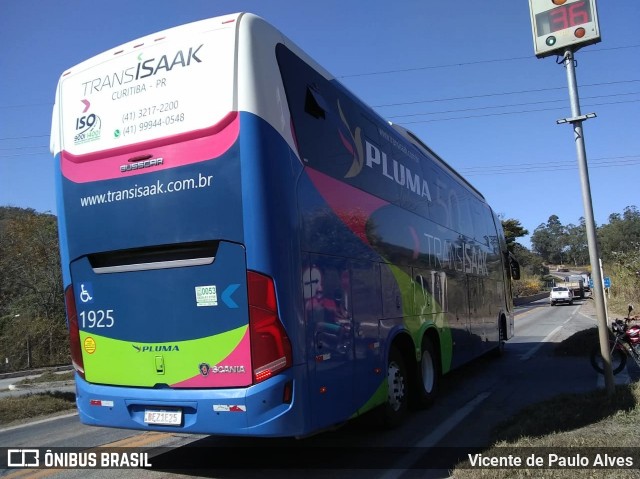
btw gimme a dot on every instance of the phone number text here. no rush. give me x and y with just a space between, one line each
150 124
148 111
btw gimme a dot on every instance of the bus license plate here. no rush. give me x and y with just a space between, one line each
155 416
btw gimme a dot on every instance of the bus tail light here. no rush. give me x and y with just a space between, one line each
74 331
270 345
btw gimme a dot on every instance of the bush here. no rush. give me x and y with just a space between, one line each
526 287
625 280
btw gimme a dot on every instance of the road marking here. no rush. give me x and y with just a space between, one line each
548 337
33 473
524 313
534 350
138 440
40 421
434 438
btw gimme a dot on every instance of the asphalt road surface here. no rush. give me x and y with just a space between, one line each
472 401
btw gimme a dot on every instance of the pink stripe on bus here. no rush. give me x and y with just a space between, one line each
225 373
353 206
177 150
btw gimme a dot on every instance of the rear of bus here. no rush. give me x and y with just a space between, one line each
170 329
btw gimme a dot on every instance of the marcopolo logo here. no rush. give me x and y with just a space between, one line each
138 164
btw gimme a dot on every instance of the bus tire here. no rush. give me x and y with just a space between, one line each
498 351
394 411
428 375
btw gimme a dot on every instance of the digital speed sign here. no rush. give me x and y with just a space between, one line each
558 24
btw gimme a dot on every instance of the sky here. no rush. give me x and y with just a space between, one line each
463 77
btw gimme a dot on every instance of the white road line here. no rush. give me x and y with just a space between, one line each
434 437
548 337
534 350
41 421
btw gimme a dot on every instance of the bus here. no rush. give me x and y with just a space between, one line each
248 249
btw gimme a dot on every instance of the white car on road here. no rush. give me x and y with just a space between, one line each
560 294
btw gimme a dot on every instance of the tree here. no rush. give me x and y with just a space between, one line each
512 230
531 263
577 245
618 236
549 240
32 317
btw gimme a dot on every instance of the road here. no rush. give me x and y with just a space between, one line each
472 401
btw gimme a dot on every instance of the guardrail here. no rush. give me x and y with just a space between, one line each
530 299
30 372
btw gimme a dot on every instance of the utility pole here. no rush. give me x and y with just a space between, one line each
594 254
562 27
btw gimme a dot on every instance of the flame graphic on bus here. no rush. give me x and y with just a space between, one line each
354 147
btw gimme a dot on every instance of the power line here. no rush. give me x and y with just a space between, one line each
508 106
49 104
24 147
540 163
24 154
459 64
428 101
499 94
523 168
512 112
24 137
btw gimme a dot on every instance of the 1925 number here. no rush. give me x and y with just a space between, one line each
100 318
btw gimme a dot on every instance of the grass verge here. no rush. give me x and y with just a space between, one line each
30 406
47 377
569 424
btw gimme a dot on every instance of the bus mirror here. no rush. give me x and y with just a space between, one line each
514 267
515 270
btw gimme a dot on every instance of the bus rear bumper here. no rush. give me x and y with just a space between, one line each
264 409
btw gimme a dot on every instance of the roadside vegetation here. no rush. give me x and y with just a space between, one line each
578 421
566 425
19 408
556 245
47 377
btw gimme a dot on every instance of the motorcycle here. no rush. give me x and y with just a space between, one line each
624 342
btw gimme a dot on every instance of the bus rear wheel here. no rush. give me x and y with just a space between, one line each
395 409
428 375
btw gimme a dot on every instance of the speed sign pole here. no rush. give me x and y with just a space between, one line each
560 27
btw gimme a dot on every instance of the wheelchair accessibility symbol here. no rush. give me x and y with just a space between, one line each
86 293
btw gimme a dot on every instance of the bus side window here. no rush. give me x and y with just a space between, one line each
314 104
454 207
